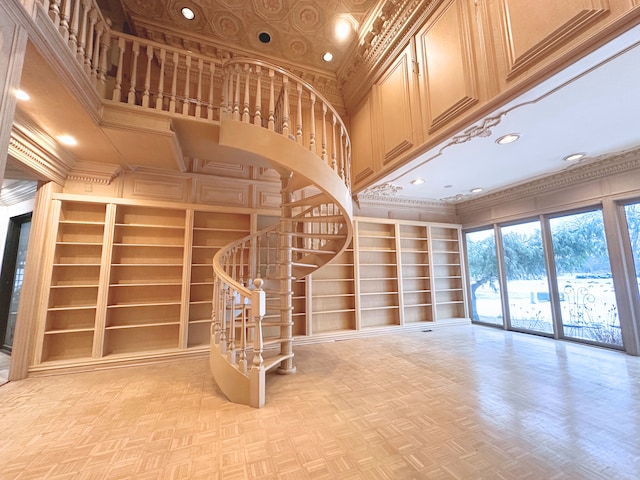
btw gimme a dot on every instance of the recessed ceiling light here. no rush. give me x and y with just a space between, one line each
67 140
343 29
327 56
574 157
509 138
264 37
22 95
187 13
476 190
418 181
447 186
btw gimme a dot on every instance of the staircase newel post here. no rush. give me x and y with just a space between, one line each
256 375
312 140
272 108
286 281
286 108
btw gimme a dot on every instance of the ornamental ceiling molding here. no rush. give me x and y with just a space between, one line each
37 152
397 22
373 200
383 190
587 169
92 172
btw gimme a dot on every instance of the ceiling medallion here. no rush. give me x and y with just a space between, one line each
385 190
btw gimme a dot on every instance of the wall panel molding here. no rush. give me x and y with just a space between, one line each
450 79
533 29
394 100
229 193
157 188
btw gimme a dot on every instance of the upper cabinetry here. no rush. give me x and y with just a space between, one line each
458 62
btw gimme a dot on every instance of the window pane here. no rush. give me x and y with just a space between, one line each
483 277
587 297
633 224
527 286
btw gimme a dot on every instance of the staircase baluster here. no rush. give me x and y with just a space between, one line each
312 140
223 317
286 112
147 78
198 111
236 98
54 12
73 27
215 325
231 337
88 56
82 35
212 71
131 99
187 82
257 117
174 83
257 381
117 89
95 58
65 14
105 45
341 171
334 164
246 118
272 102
324 131
160 97
299 122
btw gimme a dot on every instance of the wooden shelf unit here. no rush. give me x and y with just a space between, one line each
70 322
146 281
447 272
211 231
333 295
130 280
414 269
377 271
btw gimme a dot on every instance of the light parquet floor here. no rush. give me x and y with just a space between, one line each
464 402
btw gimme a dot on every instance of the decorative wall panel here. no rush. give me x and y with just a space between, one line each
222 193
533 29
394 100
157 188
450 80
362 138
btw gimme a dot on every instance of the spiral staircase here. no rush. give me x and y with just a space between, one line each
314 227
253 108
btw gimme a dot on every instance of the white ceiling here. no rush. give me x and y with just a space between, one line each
592 107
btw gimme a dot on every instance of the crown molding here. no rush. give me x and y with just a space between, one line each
389 34
92 172
587 170
404 203
37 152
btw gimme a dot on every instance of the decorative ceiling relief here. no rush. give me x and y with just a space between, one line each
384 190
299 31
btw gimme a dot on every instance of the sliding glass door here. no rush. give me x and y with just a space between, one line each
526 275
583 275
486 306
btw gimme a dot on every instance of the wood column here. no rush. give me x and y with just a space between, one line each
13 43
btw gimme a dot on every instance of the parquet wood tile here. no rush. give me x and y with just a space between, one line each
462 402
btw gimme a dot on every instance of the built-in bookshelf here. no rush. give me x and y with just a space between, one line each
145 291
70 323
333 296
415 281
377 263
211 231
134 281
446 269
